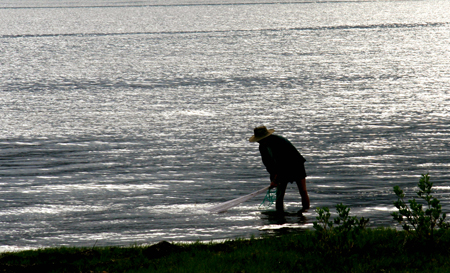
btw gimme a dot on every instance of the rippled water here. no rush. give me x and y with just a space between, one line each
120 124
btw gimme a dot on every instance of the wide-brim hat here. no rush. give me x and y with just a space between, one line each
260 133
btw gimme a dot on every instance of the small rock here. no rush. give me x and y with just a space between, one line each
160 249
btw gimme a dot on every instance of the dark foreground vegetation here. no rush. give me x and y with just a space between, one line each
342 244
372 250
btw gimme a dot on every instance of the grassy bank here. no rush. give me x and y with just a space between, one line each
372 250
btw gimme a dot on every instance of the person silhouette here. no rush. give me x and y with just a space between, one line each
284 163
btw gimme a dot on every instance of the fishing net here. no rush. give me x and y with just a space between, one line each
269 199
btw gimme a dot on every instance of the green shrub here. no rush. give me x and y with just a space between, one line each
342 224
426 222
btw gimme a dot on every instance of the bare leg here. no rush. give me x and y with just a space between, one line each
303 193
281 190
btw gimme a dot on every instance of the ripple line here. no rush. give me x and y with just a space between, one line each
343 27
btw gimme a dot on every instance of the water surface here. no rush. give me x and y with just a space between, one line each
120 123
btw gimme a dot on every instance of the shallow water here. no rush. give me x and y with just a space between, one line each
120 124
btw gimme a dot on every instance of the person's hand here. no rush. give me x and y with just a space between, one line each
273 182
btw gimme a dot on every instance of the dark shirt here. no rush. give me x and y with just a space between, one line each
281 158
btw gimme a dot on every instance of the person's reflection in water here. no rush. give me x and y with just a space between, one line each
276 218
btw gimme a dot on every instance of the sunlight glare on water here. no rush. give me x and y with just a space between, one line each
121 123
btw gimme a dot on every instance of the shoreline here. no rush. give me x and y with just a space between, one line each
370 250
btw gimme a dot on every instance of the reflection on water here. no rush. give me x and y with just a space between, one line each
275 224
116 132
